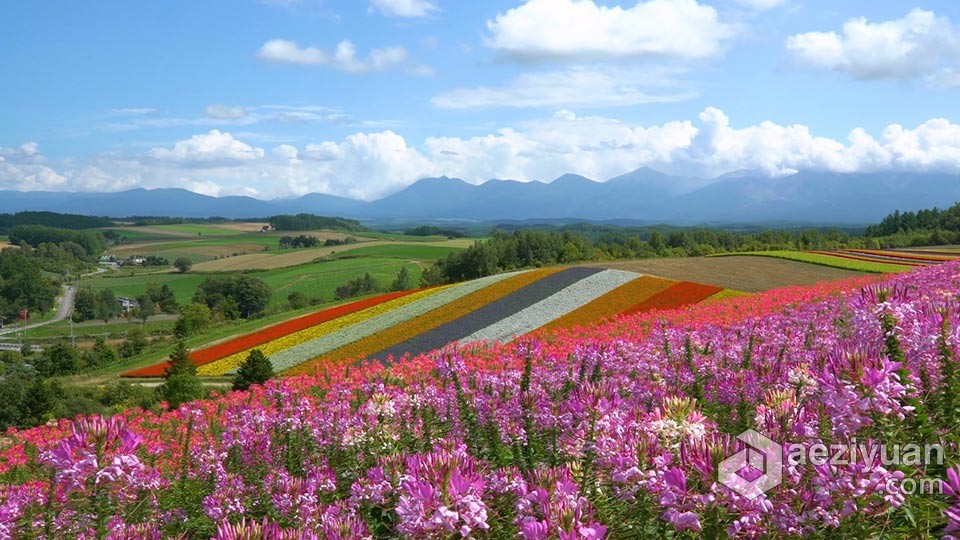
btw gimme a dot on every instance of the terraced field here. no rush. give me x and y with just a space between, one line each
496 308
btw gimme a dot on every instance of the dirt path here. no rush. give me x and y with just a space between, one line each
748 274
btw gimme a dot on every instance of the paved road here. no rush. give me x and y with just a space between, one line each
64 311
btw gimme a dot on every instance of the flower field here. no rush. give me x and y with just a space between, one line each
495 308
863 260
621 430
830 259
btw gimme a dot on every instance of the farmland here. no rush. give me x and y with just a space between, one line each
498 308
759 350
832 260
750 273
312 279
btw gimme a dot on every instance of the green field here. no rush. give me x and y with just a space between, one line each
827 260
199 229
402 251
183 285
314 279
400 237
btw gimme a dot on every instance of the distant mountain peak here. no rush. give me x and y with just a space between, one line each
571 178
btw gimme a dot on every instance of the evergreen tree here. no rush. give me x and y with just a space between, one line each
180 384
404 280
180 362
256 369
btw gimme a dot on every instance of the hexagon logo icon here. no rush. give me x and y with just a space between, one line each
756 469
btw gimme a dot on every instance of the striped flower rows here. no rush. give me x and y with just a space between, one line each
403 338
385 320
293 341
614 302
678 295
495 308
249 341
552 307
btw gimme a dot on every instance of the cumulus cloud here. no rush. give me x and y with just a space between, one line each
367 164
25 169
209 148
343 58
370 165
918 44
582 87
582 29
403 8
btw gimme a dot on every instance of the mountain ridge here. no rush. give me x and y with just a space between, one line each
643 195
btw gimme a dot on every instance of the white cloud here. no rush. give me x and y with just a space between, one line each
370 165
133 111
25 169
581 29
221 115
367 164
404 8
945 78
761 5
582 87
343 58
210 148
918 44
224 112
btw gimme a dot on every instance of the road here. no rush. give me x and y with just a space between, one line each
63 311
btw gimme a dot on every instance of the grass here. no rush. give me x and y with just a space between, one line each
133 234
399 236
198 229
183 285
199 242
827 260
321 279
410 251
313 279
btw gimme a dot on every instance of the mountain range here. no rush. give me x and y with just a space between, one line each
642 196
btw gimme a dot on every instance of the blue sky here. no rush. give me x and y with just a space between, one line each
359 98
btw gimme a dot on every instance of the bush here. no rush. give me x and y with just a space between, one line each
297 300
183 264
234 295
358 287
194 319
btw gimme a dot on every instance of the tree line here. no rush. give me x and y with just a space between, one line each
311 222
921 228
506 251
92 243
52 219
